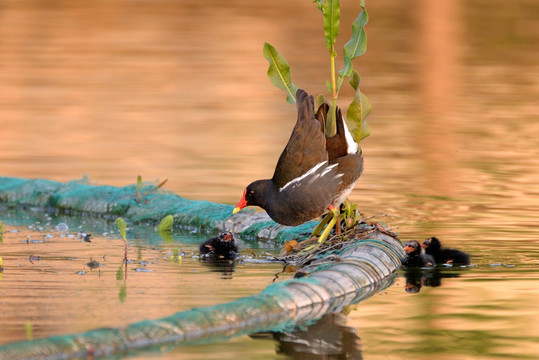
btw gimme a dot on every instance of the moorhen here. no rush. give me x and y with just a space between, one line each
219 247
442 255
414 258
314 174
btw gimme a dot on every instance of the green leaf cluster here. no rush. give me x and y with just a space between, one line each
350 215
280 75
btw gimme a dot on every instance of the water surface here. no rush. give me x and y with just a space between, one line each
178 90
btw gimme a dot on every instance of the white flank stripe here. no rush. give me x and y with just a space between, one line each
310 172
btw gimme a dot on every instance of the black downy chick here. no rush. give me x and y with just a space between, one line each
442 255
220 247
414 258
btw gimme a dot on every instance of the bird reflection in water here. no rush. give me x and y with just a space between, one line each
329 338
416 278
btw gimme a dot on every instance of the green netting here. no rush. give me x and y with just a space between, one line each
339 274
80 197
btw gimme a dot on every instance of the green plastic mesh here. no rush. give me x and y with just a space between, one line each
80 197
336 276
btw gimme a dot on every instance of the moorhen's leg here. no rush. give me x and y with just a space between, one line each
321 225
334 217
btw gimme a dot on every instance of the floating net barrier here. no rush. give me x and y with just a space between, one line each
79 196
344 270
339 275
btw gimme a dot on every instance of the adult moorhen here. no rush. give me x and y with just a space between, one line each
414 258
442 255
315 172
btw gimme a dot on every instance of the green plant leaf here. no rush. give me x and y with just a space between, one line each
356 46
321 99
332 17
29 330
122 226
166 223
358 110
279 72
319 4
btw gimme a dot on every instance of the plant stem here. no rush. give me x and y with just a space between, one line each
333 83
332 126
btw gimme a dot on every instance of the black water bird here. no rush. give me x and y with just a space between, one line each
414 257
314 174
442 255
219 247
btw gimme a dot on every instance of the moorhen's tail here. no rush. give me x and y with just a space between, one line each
342 143
304 105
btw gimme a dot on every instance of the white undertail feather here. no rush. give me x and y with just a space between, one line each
353 147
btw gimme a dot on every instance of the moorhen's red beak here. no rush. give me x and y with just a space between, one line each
241 204
423 245
408 248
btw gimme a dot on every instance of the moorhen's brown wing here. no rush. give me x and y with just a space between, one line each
306 147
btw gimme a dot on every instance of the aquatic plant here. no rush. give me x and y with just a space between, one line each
166 224
176 257
1 234
280 75
138 189
29 331
350 215
122 227
164 229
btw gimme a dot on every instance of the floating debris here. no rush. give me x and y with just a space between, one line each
93 264
143 269
32 241
62 227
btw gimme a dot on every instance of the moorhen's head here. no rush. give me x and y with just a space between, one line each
412 248
254 194
226 236
432 244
